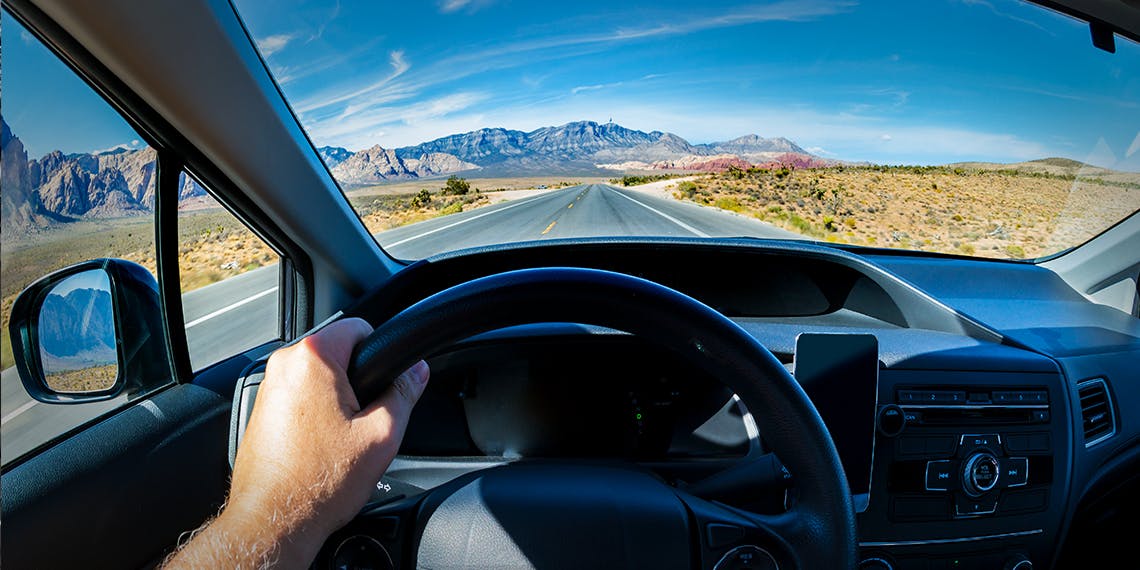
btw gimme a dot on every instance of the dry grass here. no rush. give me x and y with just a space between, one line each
987 213
93 379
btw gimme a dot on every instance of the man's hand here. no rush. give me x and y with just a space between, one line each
309 458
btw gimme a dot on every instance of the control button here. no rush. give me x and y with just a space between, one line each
941 475
1039 416
968 507
912 446
723 534
1014 471
1023 501
969 442
941 445
912 417
1037 397
934 507
1003 397
910 397
953 397
980 474
750 557
891 420
1027 442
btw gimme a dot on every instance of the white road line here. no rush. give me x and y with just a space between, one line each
12 415
229 308
463 221
695 231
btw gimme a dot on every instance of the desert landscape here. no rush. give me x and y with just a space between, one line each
62 209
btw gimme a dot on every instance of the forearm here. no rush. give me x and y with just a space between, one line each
245 540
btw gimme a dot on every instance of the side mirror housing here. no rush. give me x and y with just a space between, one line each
90 332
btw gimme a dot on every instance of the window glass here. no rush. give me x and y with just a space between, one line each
229 277
78 184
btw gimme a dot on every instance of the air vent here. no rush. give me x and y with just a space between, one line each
1096 411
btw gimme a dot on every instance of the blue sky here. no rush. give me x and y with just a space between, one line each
912 82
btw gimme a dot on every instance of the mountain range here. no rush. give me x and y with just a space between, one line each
582 147
60 187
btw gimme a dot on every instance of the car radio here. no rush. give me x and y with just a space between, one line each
967 452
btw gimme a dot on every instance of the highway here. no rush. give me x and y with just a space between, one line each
241 312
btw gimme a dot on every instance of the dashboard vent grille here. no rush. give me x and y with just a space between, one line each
1096 411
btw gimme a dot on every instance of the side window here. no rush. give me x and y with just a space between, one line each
229 277
78 184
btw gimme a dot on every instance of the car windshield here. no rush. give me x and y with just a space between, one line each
985 128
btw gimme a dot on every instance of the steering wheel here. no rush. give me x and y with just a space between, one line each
559 515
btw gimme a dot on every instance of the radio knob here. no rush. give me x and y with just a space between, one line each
875 564
891 420
980 474
1018 563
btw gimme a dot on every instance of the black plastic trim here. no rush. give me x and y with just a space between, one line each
166 257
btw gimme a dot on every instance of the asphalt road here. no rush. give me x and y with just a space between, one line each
241 312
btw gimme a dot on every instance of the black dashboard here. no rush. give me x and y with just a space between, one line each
998 401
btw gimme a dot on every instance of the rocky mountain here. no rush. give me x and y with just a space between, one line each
78 326
378 164
583 145
754 147
333 155
20 207
482 147
58 187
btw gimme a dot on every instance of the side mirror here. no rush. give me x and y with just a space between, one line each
90 332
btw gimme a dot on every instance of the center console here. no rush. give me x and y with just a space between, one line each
966 470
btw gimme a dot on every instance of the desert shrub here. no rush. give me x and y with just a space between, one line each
422 199
452 208
728 203
456 186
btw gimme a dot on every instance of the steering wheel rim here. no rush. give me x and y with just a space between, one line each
820 527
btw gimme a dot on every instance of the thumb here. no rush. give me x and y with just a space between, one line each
396 403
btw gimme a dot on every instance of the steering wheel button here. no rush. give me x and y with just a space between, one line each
723 534
747 557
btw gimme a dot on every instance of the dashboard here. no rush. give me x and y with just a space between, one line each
996 391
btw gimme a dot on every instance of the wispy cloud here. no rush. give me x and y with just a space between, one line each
988 5
270 45
396 60
320 31
789 11
26 37
450 6
354 130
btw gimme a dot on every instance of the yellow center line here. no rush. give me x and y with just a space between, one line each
548 228
570 206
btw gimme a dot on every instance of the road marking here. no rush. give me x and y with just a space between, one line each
570 206
12 415
695 231
463 221
548 228
229 308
